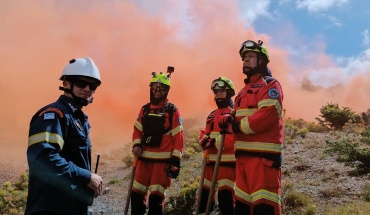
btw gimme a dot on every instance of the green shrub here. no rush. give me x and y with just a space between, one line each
13 196
350 153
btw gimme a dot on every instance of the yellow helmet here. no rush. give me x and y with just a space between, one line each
160 78
250 45
224 83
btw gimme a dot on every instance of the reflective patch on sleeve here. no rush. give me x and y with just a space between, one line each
273 93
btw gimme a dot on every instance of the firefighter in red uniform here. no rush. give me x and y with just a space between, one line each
158 142
258 131
210 137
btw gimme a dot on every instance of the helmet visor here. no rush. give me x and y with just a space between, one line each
219 83
248 45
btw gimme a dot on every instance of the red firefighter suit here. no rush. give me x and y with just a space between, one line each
158 131
226 172
258 145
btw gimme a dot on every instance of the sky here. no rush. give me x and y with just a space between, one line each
319 51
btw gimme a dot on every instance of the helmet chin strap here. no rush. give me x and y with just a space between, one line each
78 100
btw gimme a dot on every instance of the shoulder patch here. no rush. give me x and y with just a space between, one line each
51 115
180 120
273 93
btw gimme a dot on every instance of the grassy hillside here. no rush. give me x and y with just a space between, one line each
317 176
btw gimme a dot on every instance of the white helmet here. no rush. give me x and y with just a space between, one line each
81 67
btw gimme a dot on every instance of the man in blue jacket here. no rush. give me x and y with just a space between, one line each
59 147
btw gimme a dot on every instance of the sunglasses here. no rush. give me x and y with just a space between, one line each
215 91
82 84
157 87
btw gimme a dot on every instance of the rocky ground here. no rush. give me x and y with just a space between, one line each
306 169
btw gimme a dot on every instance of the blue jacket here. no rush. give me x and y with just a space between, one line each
59 159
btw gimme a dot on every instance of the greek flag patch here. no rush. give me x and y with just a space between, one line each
49 116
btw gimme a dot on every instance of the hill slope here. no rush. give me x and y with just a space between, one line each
306 169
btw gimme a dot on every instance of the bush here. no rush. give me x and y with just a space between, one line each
350 153
13 197
335 117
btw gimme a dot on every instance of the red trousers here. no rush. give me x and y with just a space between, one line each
258 183
152 177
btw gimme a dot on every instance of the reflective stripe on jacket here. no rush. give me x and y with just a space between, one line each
59 159
258 108
213 131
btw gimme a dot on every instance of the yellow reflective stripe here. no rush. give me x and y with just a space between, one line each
176 130
225 183
155 155
46 137
271 102
139 126
136 141
214 134
224 157
261 194
157 187
258 146
243 195
279 109
139 186
265 194
266 103
244 126
207 183
245 112
155 114
217 137
176 153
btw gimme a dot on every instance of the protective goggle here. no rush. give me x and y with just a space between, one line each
250 45
219 83
82 84
157 86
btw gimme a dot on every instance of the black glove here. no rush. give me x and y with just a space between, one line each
207 142
224 120
174 169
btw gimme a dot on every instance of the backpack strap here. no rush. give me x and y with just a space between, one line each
170 108
146 109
